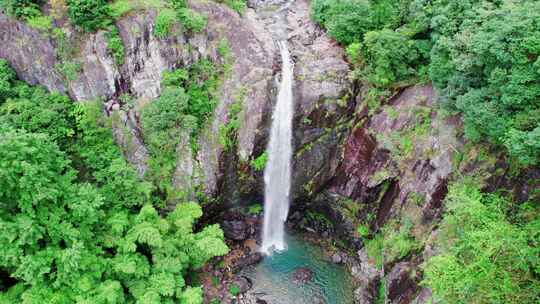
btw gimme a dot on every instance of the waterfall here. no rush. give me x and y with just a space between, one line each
277 174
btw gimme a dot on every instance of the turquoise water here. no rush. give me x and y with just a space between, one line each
272 278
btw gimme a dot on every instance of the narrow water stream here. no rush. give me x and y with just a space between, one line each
275 279
277 174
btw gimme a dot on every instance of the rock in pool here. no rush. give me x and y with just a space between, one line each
302 275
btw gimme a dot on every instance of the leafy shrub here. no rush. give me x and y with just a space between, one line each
463 46
178 11
374 249
389 14
7 80
41 112
61 251
192 20
39 22
175 78
167 114
227 132
120 8
90 15
346 20
234 290
362 230
255 209
390 57
483 257
22 8
164 21
238 6
69 69
164 121
115 45
392 244
259 163
183 107
524 146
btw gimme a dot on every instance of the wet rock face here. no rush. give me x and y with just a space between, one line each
323 102
244 284
401 286
302 275
30 53
235 230
373 156
368 276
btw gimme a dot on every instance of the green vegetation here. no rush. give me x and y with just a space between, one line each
69 69
191 20
89 15
28 10
22 8
77 224
255 209
92 15
488 250
227 132
498 89
186 102
121 7
234 290
237 5
392 244
66 52
177 11
115 45
43 23
164 22
463 47
319 219
362 230
259 163
381 295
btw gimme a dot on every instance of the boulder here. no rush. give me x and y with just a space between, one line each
337 258
302 275
368 277
235 230
244 284
400 286
247 260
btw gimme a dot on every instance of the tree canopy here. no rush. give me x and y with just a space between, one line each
77 225
483 56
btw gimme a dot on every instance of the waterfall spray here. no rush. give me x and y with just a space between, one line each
277 174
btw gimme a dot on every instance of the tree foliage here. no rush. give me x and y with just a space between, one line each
489 70
7 80
187 100
390 57
22 8
484 257
89 15
483 56
76 223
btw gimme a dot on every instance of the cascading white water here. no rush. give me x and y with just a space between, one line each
277 174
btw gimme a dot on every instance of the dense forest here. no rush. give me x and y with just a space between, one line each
484 59
481 55
78 225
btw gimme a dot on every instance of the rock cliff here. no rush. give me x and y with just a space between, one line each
321 85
